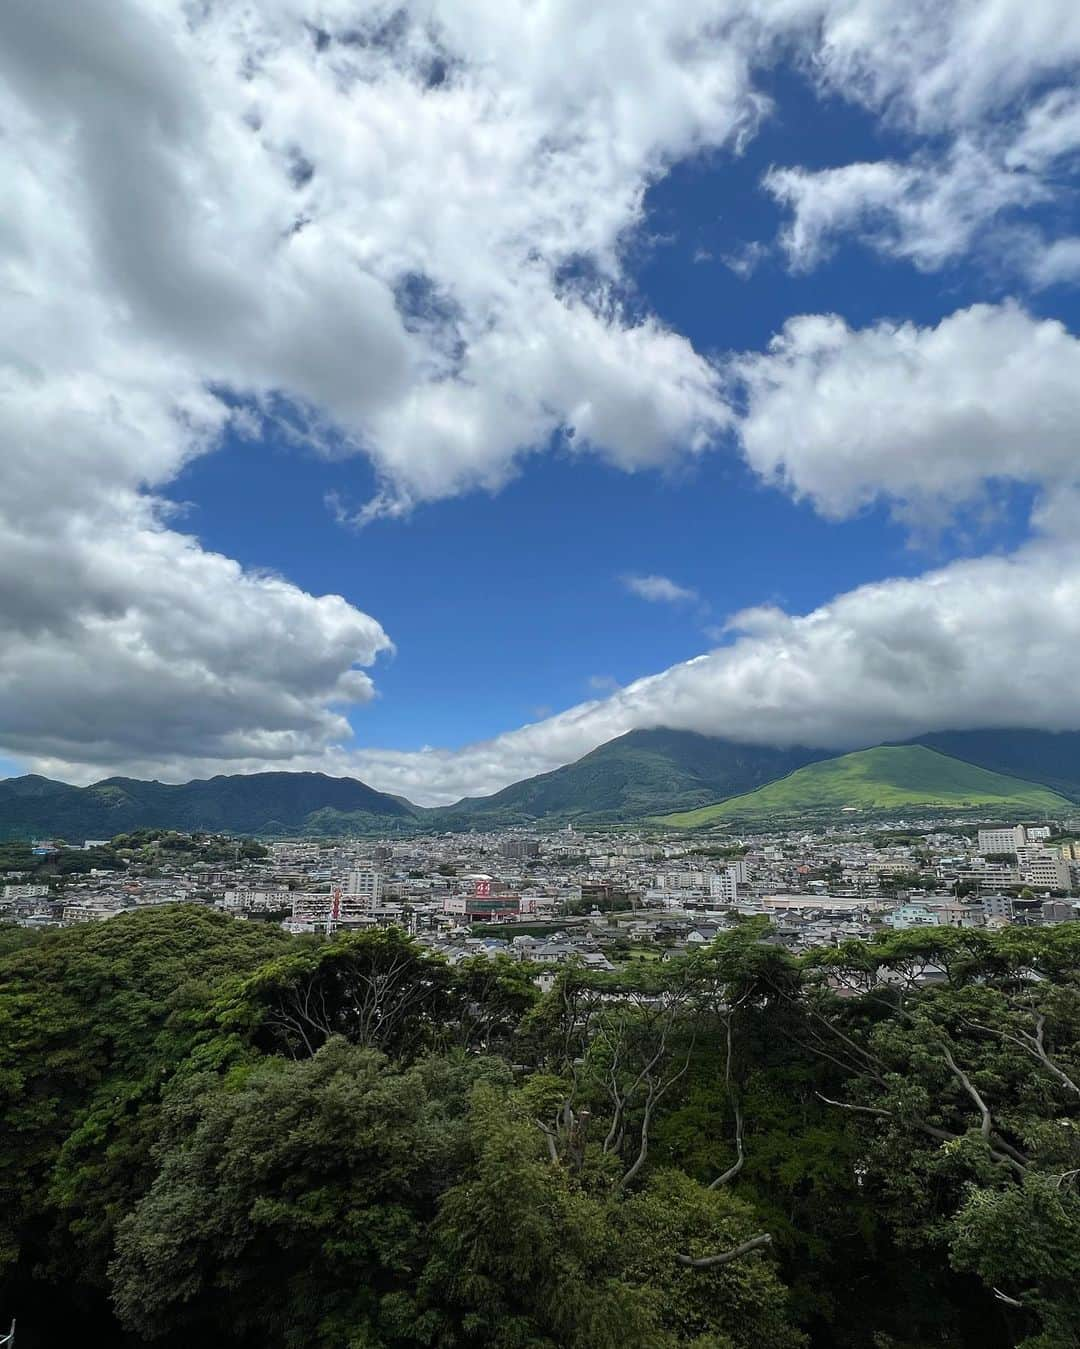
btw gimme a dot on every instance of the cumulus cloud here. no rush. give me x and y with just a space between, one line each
921 417
659 590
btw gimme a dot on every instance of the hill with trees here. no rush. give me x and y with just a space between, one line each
1051 758
241 803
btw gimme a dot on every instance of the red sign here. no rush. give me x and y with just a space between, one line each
483 889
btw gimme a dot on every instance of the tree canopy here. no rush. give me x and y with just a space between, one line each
214 1131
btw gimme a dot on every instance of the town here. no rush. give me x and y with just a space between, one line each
599 898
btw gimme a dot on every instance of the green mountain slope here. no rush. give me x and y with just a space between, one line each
636 775
881 778
248 803
1049 757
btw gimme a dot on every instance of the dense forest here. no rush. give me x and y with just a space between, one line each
214 1133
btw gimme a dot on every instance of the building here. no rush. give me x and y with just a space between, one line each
997 906
257 901
1058 911
912 915
366 883
518 849
293 851
337 908
1001 840
482 900
724 886
1045 868
25 891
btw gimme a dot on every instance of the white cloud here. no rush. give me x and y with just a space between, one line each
922 417
1052 264
926 212
659 590
939 67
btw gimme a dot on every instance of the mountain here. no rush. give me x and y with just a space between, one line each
635 775
1049 757
887 777
248 803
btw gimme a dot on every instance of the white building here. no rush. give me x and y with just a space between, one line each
912 915
724 886
361 903
292 851
25 891
1046 868
367 884
1002 840
257 901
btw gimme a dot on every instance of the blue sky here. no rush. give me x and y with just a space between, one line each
774 303
504 607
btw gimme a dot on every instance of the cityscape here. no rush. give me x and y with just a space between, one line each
594 897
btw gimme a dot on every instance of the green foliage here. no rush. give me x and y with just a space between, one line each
235 1136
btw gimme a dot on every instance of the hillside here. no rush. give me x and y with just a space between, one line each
882 778
249 803
1049 757
633 776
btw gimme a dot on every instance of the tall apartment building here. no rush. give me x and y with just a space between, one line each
366 883
724 886
1045 868
1001 840
518 849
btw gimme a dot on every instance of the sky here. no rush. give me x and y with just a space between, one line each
431 391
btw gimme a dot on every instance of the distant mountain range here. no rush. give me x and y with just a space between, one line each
639 775
248 803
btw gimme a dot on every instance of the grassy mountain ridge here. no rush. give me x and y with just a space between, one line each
880 778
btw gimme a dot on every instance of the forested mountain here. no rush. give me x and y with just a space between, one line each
214 1133
638 774
249 803
880 779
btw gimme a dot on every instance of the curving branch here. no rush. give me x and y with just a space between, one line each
740 1157
986 1124
725 1257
